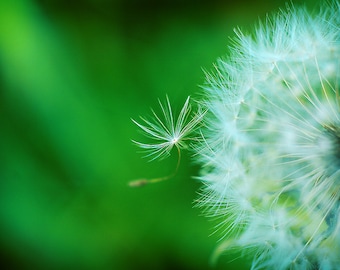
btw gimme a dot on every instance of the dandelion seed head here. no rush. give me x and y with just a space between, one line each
270 144
269 141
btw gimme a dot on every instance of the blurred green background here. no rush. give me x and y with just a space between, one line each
72 74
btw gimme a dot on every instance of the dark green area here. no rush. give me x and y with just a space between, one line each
72 73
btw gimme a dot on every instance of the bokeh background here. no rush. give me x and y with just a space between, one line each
72 74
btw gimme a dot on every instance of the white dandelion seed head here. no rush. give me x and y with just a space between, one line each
270 148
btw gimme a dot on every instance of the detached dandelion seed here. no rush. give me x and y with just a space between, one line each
166 132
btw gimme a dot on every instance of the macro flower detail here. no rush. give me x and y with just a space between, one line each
271 142
166 133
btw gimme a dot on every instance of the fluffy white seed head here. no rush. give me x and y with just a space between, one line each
270 150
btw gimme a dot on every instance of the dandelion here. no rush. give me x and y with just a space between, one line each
271 144
167 133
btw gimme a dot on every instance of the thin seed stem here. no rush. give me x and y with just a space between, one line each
143 182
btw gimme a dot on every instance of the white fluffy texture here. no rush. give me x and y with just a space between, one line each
270 153
166 131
